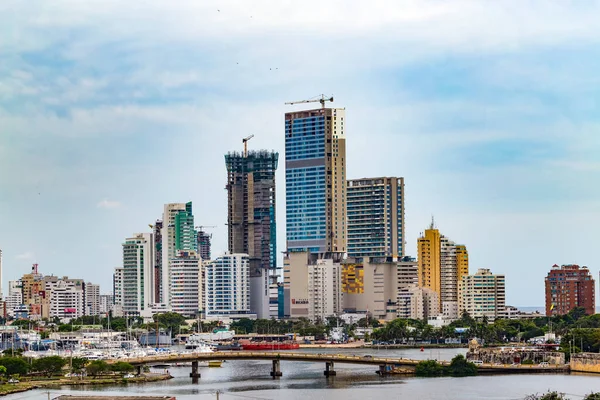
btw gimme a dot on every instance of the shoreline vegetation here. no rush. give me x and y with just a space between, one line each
55 383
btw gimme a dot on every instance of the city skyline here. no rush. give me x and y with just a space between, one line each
490 127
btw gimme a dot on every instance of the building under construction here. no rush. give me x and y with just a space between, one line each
204 240
251 218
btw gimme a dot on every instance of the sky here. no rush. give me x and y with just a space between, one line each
489 110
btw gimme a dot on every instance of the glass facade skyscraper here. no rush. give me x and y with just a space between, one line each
315 173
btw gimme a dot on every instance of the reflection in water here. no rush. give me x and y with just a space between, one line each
304 380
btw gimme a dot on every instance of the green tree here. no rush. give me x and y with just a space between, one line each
121 366
243 325
96 367
459 366
14 365
3 370
547 396
49 365
429 368
78 364
592 396
170 321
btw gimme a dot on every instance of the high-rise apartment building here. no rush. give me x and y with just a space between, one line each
118 286
34 294
14 298
315 178
442 264
92 299
251 218
177 234
567 287
375 208
227 286
138 273
67 297
105 303
416 303
185 283
483 295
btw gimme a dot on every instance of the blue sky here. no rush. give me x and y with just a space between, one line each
109 109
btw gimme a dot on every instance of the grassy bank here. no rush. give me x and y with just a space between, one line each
11 388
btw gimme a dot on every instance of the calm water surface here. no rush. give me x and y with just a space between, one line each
302 380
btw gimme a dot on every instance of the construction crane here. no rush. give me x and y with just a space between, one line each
201 227
245 141
322 100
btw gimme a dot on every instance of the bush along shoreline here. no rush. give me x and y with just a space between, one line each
459 366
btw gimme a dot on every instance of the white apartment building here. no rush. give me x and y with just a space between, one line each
118 286
227 286
324 289
67 297
138 273
169 248
14 298
185 283
105 303
92 299
483 295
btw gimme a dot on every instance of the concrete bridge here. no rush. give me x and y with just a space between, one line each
383 363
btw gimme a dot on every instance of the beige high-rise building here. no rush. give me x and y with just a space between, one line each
483 295
442 264
313 285
417 303
375 284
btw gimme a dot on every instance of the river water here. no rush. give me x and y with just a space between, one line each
303 380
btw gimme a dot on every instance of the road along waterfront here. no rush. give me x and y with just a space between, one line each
302 380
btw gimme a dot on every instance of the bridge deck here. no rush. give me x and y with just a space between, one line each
320 357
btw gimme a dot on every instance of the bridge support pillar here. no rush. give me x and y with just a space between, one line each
383 370
276 371
329 371
195 374
138 370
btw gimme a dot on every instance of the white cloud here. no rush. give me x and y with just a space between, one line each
108 204
25 256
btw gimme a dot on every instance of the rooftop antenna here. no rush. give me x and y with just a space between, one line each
432 223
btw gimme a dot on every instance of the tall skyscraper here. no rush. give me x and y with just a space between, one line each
375 217
157 231
178 233
227 286
567 287
315 178
204 240
251 218
442 264
483 295
138 273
